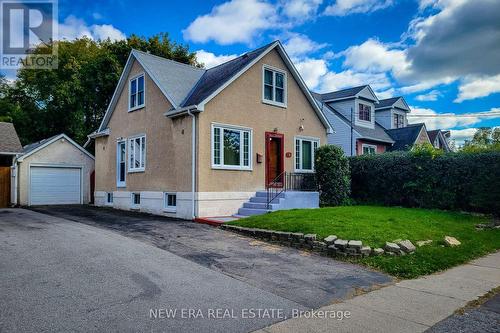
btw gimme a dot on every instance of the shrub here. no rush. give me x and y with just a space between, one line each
457 181
333 176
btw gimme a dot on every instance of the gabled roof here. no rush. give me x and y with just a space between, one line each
348 93
36 146
391 102
433 134
175 78
190 88
374 134
9 141
405 137
215 77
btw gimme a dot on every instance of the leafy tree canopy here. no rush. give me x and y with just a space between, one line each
485 139
73 98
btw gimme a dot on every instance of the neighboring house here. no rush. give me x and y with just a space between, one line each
54 171
182 141
10 147
392 113
439 139
352 113
407 137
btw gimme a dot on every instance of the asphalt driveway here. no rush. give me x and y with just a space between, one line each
56 274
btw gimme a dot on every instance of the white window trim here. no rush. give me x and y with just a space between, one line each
366 145
285 86
306 138
137 107
166 208
231 167
394 113
364 123
132 204
127 150
118 182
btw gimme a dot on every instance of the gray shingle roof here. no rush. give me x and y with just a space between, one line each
375 134
35 145
175 78
383 103
405 137
432 134
9 141
216 77
345 93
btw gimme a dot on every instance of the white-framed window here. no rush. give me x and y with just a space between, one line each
399 120
274 86
170 202
137 153
365 112
137 97
136 200
121 160
305 149
231 147
369 149
109 198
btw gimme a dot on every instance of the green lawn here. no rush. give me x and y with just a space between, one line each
375 225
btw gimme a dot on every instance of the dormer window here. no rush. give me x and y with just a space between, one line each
365 112
136 93
399 120
274 86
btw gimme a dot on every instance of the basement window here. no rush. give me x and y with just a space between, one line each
109 198
170 202
136 200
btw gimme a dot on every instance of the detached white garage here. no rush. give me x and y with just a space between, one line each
55 171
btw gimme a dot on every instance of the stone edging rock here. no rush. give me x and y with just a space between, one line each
330 245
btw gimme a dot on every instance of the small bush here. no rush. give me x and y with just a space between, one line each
455 181
333 176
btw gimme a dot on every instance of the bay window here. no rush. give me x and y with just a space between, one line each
231 147
304 154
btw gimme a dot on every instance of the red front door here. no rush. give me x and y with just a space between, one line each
274 158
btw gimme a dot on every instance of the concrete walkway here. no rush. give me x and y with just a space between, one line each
408 306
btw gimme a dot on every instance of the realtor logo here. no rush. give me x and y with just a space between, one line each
28 26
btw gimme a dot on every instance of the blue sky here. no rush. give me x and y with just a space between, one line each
443 56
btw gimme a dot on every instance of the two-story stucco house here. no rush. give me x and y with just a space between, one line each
182 141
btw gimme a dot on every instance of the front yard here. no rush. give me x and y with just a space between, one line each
375 225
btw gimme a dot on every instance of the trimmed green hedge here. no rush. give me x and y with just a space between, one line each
455 181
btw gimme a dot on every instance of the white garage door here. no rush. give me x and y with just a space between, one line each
55 186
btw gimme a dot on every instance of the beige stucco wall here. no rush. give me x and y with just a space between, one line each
60 152
241 104
168 144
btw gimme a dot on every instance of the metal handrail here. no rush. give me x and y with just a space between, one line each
286 181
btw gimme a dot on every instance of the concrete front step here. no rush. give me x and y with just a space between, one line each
264 200
263 194
260 205
251 211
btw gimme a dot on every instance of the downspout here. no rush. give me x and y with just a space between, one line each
193 163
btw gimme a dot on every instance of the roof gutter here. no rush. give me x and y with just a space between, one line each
187 110
94 135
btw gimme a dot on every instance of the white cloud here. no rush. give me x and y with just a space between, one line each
388 93
429 97
463 134
211 60
374 56
73 28
346 7
335 81
434 120
312 70
236 21
472 88
300 10
298 45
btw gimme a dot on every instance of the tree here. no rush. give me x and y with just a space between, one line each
485 138
74 97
